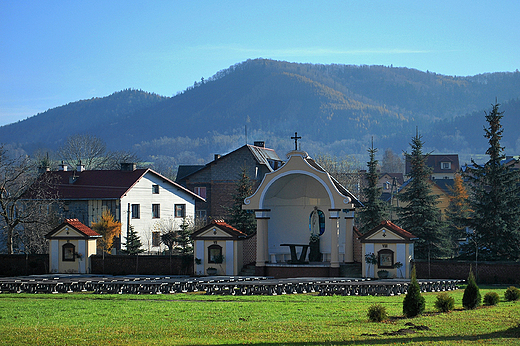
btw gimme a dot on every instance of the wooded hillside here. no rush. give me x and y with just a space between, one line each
335 108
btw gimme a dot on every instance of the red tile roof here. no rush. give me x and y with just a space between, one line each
392 227
223 226
76 225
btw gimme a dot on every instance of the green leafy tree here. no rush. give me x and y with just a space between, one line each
494 199
413 303
419 214
133 243
374 210
243 220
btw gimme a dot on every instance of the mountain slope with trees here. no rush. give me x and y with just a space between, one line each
336 109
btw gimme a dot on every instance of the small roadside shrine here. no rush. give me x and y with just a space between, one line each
70 246
387 251
219 249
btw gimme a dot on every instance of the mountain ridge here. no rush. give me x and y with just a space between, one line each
336 108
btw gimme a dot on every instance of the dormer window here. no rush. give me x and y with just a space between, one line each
445 165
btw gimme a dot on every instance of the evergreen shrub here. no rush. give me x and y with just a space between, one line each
413 303
491 298
377 313
444 302
471 298
512 293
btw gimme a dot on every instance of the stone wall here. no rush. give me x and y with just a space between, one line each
486 273
142 265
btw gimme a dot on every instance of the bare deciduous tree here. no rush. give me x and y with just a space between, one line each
27 202
92 152
344 170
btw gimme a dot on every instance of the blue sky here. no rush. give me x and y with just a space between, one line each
56 52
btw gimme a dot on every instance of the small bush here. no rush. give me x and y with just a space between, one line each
444 302
413 303
512 294
491 298
377 313
471 298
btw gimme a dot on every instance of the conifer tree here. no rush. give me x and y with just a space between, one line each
414 302
471 297
375 210
494 199
419 214
183 238
243 220
133 243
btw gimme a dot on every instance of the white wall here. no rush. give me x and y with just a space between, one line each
168 196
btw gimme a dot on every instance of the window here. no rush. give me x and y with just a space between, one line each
385 258
136 211
156 211
155 189
69 252
201 191
445 165
156 238
215 254
200 214
180 210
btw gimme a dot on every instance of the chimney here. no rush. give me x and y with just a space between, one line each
63 167
128 166
80 167
216 157
260 144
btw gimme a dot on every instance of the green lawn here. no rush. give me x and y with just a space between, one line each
196 319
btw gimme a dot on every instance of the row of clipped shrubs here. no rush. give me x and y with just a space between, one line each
414 302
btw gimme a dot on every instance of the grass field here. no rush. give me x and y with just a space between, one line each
197 319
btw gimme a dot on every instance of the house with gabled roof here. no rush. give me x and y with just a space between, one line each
141 198
216 181
444 166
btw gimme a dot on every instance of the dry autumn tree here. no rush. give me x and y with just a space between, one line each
108 228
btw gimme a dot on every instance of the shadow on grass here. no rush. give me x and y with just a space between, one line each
513 332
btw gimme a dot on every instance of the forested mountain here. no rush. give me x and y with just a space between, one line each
335 108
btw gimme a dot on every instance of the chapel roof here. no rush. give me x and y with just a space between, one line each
390 226
76 225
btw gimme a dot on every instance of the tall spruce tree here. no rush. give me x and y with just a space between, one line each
418 213
375 210
243 220
494 199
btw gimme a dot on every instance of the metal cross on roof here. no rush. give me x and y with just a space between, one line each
296 140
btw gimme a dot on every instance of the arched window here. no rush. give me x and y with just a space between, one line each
385 258
215 254
69 252
317 222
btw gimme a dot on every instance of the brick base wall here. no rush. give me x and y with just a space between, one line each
142 265
487 273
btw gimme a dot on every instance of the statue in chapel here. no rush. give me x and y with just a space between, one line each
317 227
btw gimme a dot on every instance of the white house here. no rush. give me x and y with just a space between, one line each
141 198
